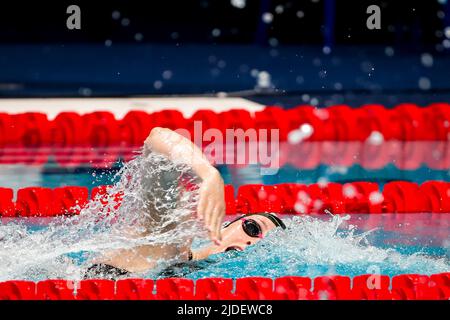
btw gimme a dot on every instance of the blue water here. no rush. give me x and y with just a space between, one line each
53 177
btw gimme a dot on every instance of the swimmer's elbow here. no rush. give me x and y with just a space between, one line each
155 134
156 131
157 139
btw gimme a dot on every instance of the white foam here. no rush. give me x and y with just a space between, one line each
102 227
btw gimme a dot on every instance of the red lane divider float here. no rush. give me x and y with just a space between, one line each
287 198
370 287
358 197
55 290
375 153
404 155
363 287
100 139
134 289
7 208
214 289
332 288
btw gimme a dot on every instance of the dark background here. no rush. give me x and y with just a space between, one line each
321 48
404 22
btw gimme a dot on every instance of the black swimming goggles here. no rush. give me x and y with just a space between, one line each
252 228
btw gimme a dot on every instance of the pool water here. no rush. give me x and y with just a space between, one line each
315 246
307 163
312 245
20 176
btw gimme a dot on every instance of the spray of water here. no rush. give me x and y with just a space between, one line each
315 247
152 203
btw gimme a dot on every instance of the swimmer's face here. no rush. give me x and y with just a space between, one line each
244 232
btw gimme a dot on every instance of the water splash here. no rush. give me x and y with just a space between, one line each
314 247
151 197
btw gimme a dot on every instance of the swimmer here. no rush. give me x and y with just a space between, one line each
234 235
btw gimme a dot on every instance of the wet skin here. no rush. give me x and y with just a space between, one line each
235 238
142 259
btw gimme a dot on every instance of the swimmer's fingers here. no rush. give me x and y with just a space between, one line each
212 205
208 215
217 223
201 208
212 215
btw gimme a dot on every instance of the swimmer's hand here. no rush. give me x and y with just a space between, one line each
211 206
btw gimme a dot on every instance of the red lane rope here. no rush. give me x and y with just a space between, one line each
286 198
404 122
405 155
363 287
379 134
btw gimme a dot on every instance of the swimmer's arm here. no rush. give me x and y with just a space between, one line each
179 149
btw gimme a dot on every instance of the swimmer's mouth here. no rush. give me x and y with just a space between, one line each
233 249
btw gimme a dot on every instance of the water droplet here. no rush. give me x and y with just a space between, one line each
157 84
375 138
338 86
375 197
424 83
240 4
262 194
300 208
447 32
299 80
167 75
215 32
125 22
446 43
304 132
322 114
427 60
318 204
264 79
349 191
279 9
267 17
115 15
389 51
138 37
322 182
273 42
86 92
307 130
